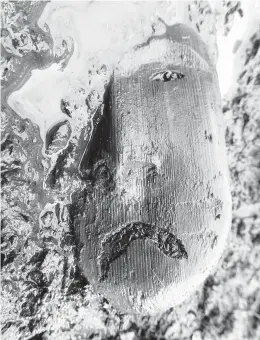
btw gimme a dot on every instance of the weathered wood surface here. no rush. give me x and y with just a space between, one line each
156 219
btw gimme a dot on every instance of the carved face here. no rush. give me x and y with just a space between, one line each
160 208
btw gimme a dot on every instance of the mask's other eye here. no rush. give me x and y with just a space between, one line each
101 171
166 75
102 176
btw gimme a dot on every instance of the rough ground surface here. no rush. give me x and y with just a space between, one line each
44 295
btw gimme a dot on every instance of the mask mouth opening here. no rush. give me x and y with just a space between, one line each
115 244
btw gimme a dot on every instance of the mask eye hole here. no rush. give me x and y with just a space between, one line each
101 171
166 75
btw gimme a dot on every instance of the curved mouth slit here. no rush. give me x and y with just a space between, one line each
114 244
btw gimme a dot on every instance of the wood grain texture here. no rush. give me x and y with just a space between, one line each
158 174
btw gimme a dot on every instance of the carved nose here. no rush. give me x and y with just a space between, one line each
141 170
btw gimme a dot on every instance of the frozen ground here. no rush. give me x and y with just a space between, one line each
44 295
